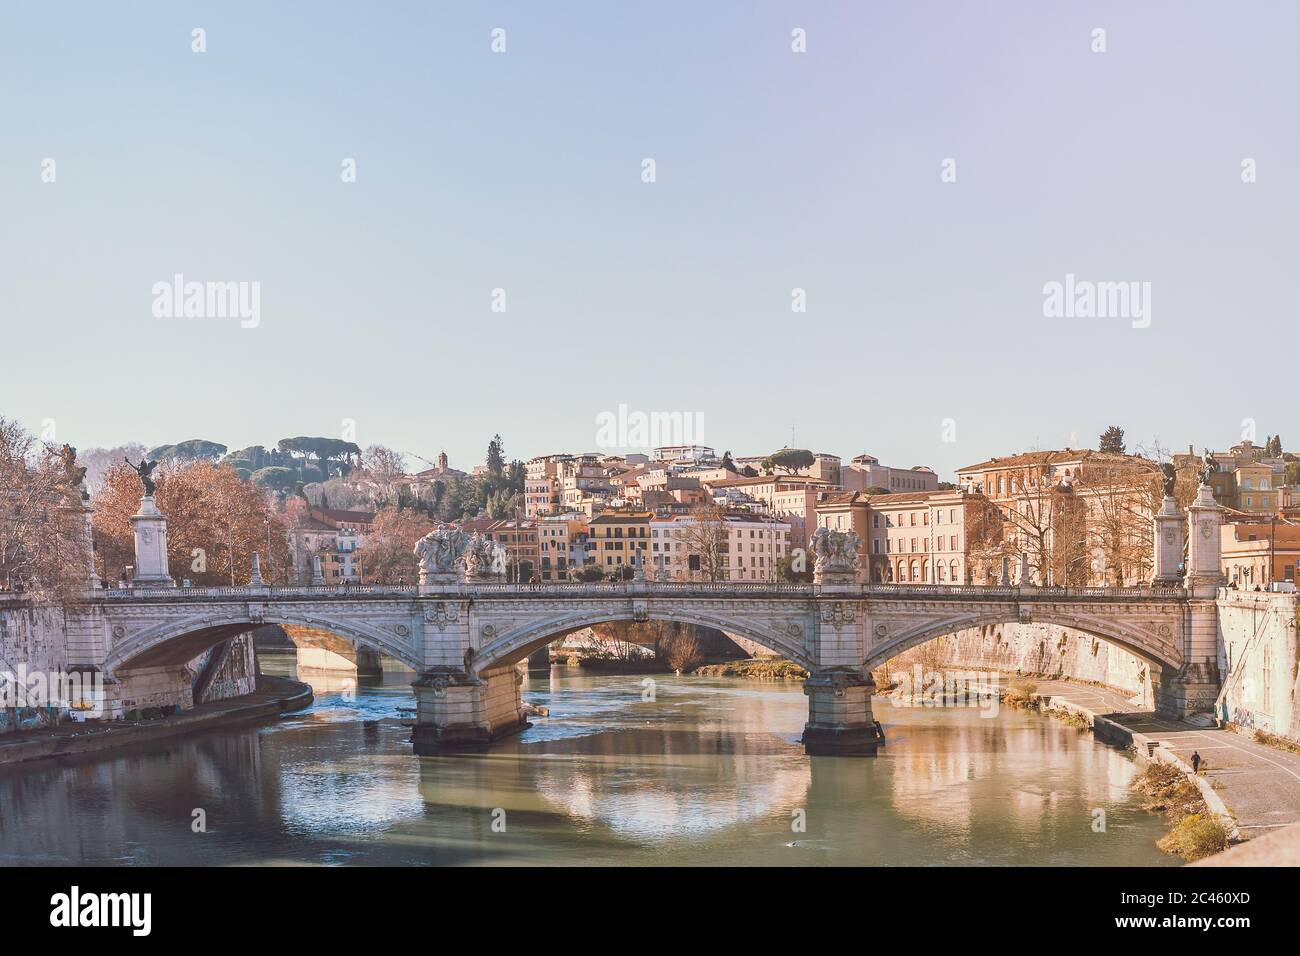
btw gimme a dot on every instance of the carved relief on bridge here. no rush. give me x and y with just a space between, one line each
441 613
839 613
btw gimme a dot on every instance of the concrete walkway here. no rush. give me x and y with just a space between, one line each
1259 784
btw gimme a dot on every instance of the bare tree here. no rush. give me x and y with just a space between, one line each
1070 557
385 468
44 537
1121 503
988 543
1031 513
677 646
704 537
388 553
98 461
615 640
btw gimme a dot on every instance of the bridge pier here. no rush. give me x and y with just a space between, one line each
462 712
145 688
539 661
840 721
368 663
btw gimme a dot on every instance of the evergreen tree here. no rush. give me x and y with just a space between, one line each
496 457
515 482
1112 441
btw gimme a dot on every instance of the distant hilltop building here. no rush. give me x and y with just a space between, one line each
693 453
1247 477
865 471
440 470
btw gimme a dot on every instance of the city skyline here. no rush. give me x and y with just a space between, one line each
776 171
427 455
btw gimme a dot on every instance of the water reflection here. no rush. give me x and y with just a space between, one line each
707 772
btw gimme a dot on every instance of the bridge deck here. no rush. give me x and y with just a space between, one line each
744 589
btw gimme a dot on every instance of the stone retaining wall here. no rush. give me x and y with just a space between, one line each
1259 663
1042 650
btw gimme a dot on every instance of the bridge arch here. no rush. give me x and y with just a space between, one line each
1163 653
518 642
179 641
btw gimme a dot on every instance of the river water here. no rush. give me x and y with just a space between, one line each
708 772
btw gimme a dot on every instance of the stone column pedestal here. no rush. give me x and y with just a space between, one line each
1204 567
458 712
438 582
1194 689
840 722
1169 543
150 546
836 579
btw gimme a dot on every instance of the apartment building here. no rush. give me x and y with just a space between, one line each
915 538
748 547
562 545
1246 478
1082 517
791 499
336 537
1256 553
616 538
519 538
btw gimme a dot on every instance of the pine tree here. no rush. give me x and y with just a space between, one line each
496 457
1112 440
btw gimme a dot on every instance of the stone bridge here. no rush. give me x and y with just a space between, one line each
463 635
464 640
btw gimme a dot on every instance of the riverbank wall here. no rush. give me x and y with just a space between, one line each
37 689
1037 650
1260 663
33 640
69 742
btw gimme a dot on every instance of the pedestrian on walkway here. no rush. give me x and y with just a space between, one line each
1196 762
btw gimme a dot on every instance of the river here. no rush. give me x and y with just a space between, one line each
708 772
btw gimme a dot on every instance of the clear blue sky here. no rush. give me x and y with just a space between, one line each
775 170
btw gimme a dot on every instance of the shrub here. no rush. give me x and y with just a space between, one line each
1020 693
1195 836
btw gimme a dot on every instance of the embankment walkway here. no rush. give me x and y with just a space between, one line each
1260 785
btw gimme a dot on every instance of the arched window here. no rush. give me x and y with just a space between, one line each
915 572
